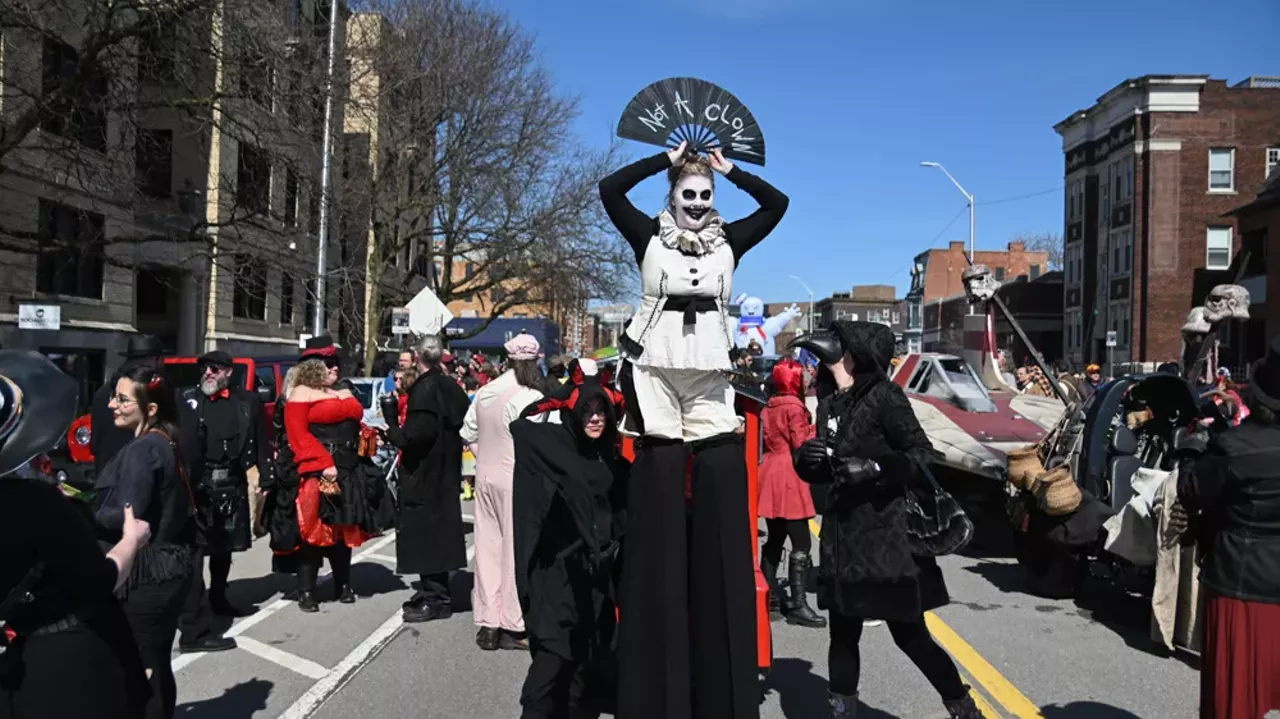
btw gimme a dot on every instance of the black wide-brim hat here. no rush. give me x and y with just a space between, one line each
870 344
143 346
1264 377
35 419
320 347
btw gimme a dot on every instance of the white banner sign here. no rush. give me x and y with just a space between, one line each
400 321
39 317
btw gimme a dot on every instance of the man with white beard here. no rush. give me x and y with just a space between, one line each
232 440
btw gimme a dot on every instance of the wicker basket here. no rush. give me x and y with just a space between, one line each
1025 466
1057 492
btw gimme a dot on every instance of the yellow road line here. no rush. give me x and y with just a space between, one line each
981 670
1000 689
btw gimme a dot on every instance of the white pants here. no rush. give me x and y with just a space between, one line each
687 404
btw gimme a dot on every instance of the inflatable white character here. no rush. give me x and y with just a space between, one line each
753 326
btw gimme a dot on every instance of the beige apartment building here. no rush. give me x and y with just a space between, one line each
132 209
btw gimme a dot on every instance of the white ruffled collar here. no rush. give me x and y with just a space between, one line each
700 242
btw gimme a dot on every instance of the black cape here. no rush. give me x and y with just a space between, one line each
430 537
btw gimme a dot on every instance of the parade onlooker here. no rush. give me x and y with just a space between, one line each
405 361
1231 486
1091 381
870 451
785 502
487 429
148 475
430 540
69 652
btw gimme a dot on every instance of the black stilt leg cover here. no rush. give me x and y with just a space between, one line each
654 670
722 584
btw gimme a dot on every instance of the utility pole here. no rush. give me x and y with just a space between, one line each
326 174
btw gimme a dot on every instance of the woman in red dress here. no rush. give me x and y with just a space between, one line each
785 501
323 429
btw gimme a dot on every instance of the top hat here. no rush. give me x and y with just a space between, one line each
319 347
143 346
218 358
37 404
1264 380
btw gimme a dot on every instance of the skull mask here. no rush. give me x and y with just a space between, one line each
1228 302
692 201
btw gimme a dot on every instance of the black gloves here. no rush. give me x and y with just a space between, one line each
812 456
856 470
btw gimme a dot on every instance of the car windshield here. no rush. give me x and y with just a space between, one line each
962 378
184 375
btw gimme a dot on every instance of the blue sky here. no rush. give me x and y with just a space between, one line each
853 94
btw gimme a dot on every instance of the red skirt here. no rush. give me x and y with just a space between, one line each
1240 665
783 495
315 532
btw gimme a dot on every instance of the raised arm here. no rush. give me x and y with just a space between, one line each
750 230
636 227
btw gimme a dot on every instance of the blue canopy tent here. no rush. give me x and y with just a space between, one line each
491 339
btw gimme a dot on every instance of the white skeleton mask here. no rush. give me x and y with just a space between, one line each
693 201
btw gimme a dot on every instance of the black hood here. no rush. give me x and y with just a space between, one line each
591 395
869 343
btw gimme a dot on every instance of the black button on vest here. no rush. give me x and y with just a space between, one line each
694 283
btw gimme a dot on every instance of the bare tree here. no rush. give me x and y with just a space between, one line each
477 187
1049 242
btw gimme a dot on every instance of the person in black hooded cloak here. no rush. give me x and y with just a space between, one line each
868 453
569 494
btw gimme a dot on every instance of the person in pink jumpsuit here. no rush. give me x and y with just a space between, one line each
486 429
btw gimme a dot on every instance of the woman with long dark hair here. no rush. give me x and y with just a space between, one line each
68 648
785 502
1231 486
147 475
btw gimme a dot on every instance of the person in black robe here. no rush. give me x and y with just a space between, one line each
868 454
569 494
233 439
430 537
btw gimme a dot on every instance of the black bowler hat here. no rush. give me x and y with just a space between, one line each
218 358
37 404
319 347
1264 377
141 346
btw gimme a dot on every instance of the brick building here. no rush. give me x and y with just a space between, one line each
1153 169
936 276
1036 305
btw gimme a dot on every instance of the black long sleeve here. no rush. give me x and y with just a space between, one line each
636 227
1201 480
262 447
749 231
911 446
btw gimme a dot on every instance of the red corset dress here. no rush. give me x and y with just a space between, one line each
312 457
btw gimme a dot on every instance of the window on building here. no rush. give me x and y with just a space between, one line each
897 318
290 212
1273 159
1104 201
157 57
470 270
1118 321
1035 271
1000 274
249 298
72 253
287 282
153 162
1218 248
253 179
82 118
1222 169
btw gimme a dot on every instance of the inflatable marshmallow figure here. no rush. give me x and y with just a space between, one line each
753 326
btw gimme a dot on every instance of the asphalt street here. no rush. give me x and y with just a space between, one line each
1024 656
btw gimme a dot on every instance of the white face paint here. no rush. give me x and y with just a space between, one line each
692 201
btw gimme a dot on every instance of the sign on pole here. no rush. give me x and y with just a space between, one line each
39 317
400 321
1111 338
427 314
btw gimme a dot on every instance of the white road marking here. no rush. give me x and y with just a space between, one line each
345 671
244 625
383 558
292 662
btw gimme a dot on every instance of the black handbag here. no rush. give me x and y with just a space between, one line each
936 525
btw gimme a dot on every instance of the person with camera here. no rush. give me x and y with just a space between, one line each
869 453
59 617
232 441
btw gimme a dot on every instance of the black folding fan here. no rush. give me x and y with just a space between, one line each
686 109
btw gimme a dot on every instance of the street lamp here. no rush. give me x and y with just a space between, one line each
806 289
967 196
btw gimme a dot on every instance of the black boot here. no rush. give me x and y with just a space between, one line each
307 575
770 572
843 707
963 708
798 610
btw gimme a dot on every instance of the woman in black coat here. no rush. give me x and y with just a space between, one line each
867 454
